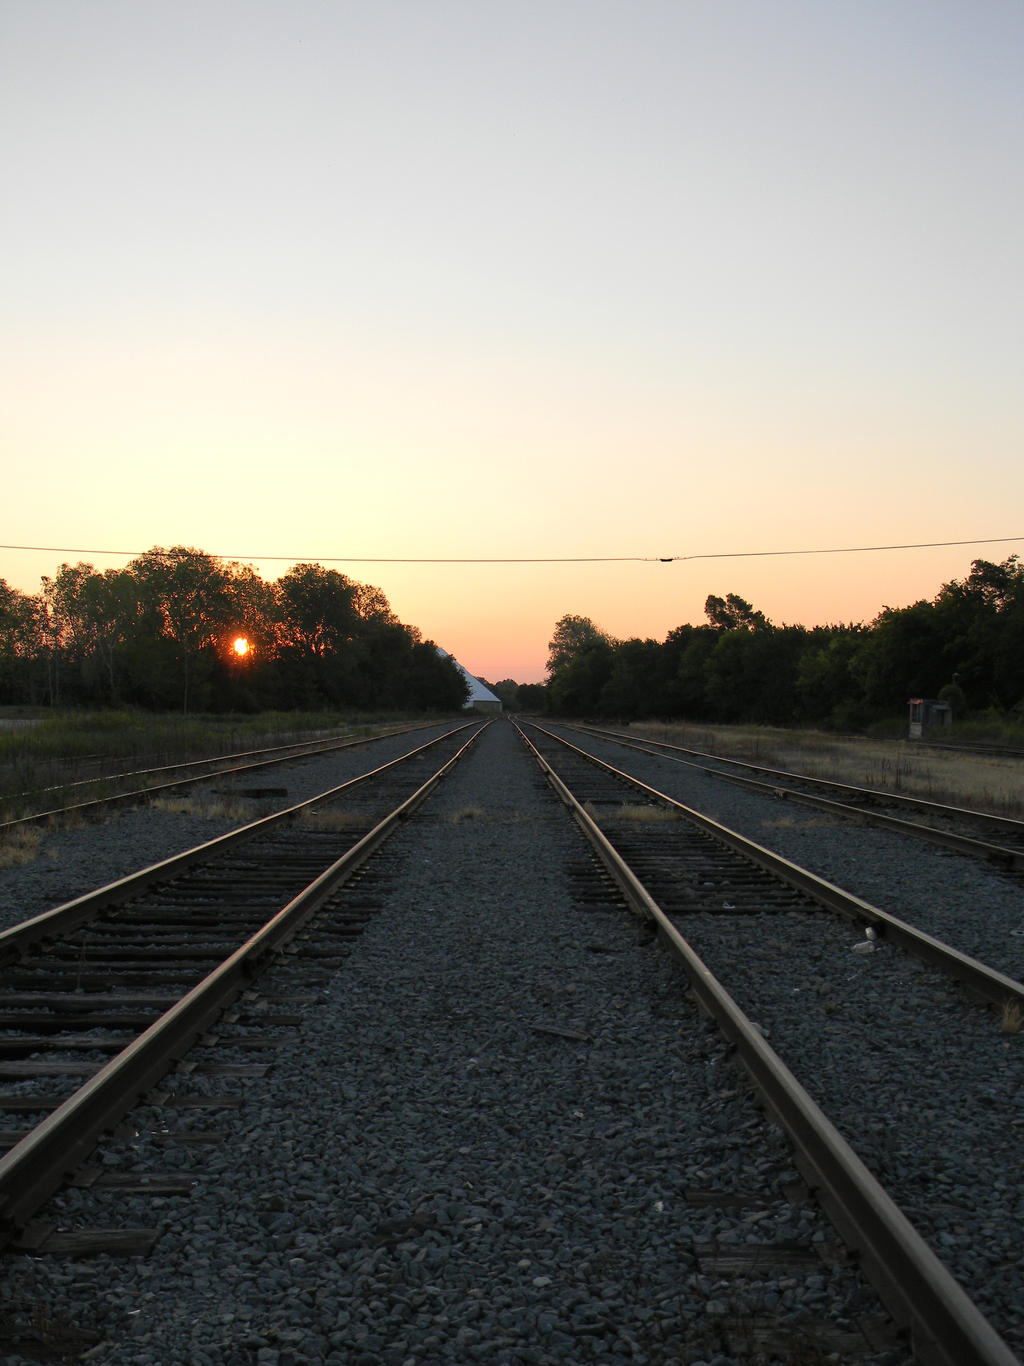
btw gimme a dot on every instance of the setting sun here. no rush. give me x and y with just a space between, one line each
240 646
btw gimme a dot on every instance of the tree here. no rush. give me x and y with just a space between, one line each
732 614
689 648
826 685
982 618
185 594
634 687
573 635
579 663
432 681
902 656
532 697
319 610
19 643
508 690
320 622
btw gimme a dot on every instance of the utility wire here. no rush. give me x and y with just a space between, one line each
533 559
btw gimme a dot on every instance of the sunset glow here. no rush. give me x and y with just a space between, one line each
407 290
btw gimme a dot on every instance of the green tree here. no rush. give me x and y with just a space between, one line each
635 684
751 674
903 655
982 620
532 697
508 690
688 649
827 688
579 665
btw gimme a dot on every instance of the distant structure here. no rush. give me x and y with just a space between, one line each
480 697
926 713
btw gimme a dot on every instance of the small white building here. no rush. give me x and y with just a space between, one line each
480 697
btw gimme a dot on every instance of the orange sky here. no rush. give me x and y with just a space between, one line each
349 283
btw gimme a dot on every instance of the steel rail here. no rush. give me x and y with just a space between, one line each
996 751
301 750
1009 824
944 839
985 983
71 914
945 1325
36 1167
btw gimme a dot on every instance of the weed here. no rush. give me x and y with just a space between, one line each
1012 1020
646 813
804 823
20 846
466 813
204 807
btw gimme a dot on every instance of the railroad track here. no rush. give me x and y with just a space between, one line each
88 798
980 834
946 1325
709 892
141 968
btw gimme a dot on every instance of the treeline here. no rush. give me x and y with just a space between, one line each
180 629
965 646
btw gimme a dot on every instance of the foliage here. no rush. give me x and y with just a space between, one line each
579 666
732 613
965 646
161 633
508 690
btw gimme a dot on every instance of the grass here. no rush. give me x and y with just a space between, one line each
42 750
980 781
467 813
19 847
646 813
1012 1020
205 805
130 734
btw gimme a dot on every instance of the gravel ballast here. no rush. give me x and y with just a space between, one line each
924 1084
71 860
485 1142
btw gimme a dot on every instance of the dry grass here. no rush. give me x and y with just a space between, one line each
20 847
466 813
1012 1019
646 813
984 782
205 807
805 823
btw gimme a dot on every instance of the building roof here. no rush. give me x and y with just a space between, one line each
478 692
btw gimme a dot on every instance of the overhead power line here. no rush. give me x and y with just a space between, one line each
533 559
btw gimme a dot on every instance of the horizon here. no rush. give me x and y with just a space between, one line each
532 661
583 286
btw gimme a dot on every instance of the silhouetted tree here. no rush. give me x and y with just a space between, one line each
19 644
579 664
185 592
732 614
533 697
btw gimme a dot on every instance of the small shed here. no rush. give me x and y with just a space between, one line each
927 714
480 696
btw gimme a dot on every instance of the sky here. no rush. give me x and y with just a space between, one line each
576 285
